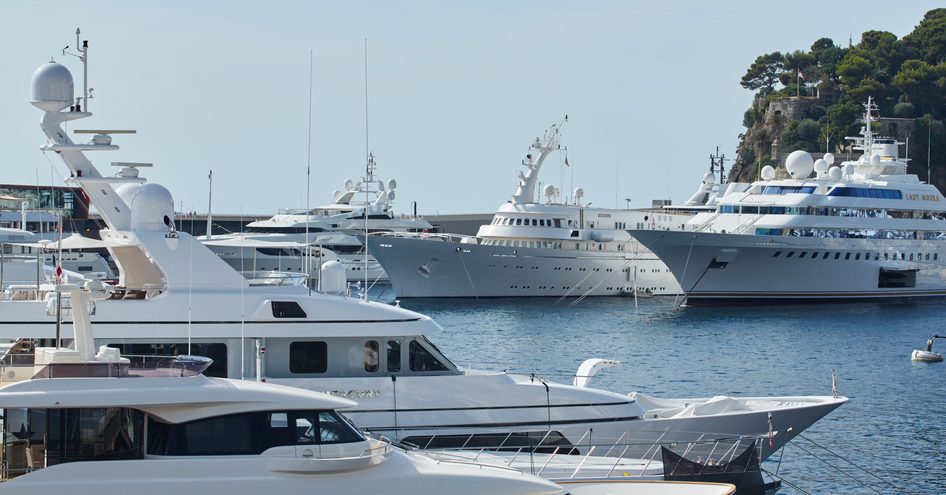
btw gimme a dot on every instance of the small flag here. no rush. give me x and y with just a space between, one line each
566 161
58 274
801 75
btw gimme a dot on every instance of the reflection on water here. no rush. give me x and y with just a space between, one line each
893 425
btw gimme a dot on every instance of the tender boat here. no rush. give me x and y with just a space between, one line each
928 355
175 296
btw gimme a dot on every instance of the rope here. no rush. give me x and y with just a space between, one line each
845 473
468 278
683 277
785 481
888 483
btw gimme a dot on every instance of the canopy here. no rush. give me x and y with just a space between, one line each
251 243
74 241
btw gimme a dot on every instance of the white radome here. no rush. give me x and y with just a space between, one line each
52 87
821 166
834 173
333 277
150 206
392 184
768 172
709 178
799 164
829 157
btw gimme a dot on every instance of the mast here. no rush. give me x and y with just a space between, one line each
369 165
210 192
308 182
525 192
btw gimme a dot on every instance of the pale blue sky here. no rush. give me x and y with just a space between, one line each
457 91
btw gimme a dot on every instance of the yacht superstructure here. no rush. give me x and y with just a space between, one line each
863 230
174 295
534 249
333 228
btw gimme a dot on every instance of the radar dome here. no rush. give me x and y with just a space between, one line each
152 208
768 172
709 178
548 190
336 194
829 157
579 192
799 164
392 184
52 87
127 191
390 195
821 166
348 183
848 169
333 277
834 173
875 159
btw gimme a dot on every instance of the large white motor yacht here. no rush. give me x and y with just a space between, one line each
88 419
533 249
175 296
333 228
863 230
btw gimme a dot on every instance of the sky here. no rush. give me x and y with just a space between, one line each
457 90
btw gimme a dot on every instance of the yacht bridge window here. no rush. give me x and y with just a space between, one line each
287 309
248 433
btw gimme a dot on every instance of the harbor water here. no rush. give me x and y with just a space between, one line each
887 439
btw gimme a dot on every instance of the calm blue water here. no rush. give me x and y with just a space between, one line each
893 426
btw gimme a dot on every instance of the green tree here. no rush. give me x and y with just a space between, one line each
764 72
929 37
922 84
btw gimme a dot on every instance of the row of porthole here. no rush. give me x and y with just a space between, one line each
857 256
581 269
544 287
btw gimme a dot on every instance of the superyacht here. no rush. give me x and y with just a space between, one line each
531 248
865 229
331 230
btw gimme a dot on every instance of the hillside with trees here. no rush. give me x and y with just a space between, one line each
811 99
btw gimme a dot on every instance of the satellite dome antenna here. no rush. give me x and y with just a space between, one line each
83 57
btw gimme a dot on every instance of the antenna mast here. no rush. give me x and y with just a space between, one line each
308 181
83 56
368 165
210 192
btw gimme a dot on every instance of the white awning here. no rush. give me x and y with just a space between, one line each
251 243
74 241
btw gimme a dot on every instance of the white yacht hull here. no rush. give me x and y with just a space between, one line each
419 267
415 408
718 268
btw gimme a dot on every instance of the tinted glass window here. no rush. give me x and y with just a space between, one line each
287 309
422 360
102 433
372 355
308 357
394 355
248 433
